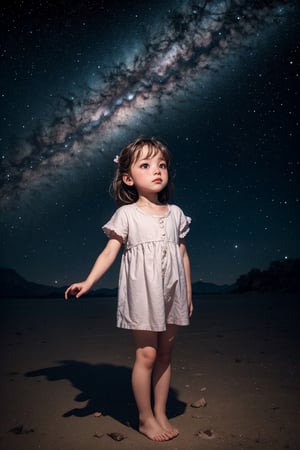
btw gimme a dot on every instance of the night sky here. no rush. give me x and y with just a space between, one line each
217 81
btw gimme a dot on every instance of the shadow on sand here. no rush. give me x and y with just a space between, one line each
106 388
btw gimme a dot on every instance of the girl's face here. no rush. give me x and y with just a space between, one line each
149 175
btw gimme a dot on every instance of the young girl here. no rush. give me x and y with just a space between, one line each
154 295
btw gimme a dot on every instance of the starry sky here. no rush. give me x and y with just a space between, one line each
217 81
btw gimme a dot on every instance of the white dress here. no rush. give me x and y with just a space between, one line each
152 286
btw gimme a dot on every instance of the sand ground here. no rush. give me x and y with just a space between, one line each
62 362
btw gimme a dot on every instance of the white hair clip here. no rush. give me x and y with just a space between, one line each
117 159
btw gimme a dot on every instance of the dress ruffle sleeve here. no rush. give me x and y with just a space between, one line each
118 224
184 225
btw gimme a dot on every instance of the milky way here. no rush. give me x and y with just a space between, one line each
194 40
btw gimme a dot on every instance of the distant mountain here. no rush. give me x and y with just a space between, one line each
201 287
104 292
14 285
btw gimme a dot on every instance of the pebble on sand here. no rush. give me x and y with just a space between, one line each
201 403
116 436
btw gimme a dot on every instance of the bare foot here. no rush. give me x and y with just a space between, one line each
153 430
165 424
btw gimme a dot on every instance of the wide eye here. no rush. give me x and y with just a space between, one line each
163 165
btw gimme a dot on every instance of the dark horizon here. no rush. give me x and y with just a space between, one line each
280 276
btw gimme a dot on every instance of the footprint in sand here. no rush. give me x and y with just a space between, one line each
206 434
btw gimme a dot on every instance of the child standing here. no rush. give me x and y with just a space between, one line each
154 295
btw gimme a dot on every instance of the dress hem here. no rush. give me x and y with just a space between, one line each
143 328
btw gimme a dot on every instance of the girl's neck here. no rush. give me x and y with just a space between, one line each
151 204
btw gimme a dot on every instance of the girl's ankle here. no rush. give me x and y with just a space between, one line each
145 417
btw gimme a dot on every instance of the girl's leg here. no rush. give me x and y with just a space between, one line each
146 351
162 376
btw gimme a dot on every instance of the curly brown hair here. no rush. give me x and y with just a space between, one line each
125 194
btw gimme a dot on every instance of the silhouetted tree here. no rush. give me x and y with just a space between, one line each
283 276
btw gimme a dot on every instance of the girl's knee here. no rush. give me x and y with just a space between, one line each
146 356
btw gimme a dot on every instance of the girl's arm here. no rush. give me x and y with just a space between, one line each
187 270
102 264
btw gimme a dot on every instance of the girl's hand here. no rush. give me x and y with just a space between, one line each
77 289
190 308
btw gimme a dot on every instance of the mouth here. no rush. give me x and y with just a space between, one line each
157 180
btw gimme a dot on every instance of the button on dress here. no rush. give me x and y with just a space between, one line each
152 286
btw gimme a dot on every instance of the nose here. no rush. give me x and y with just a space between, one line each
156 169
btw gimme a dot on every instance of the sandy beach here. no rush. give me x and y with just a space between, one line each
65 375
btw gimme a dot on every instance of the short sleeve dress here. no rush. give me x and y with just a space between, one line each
152 285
